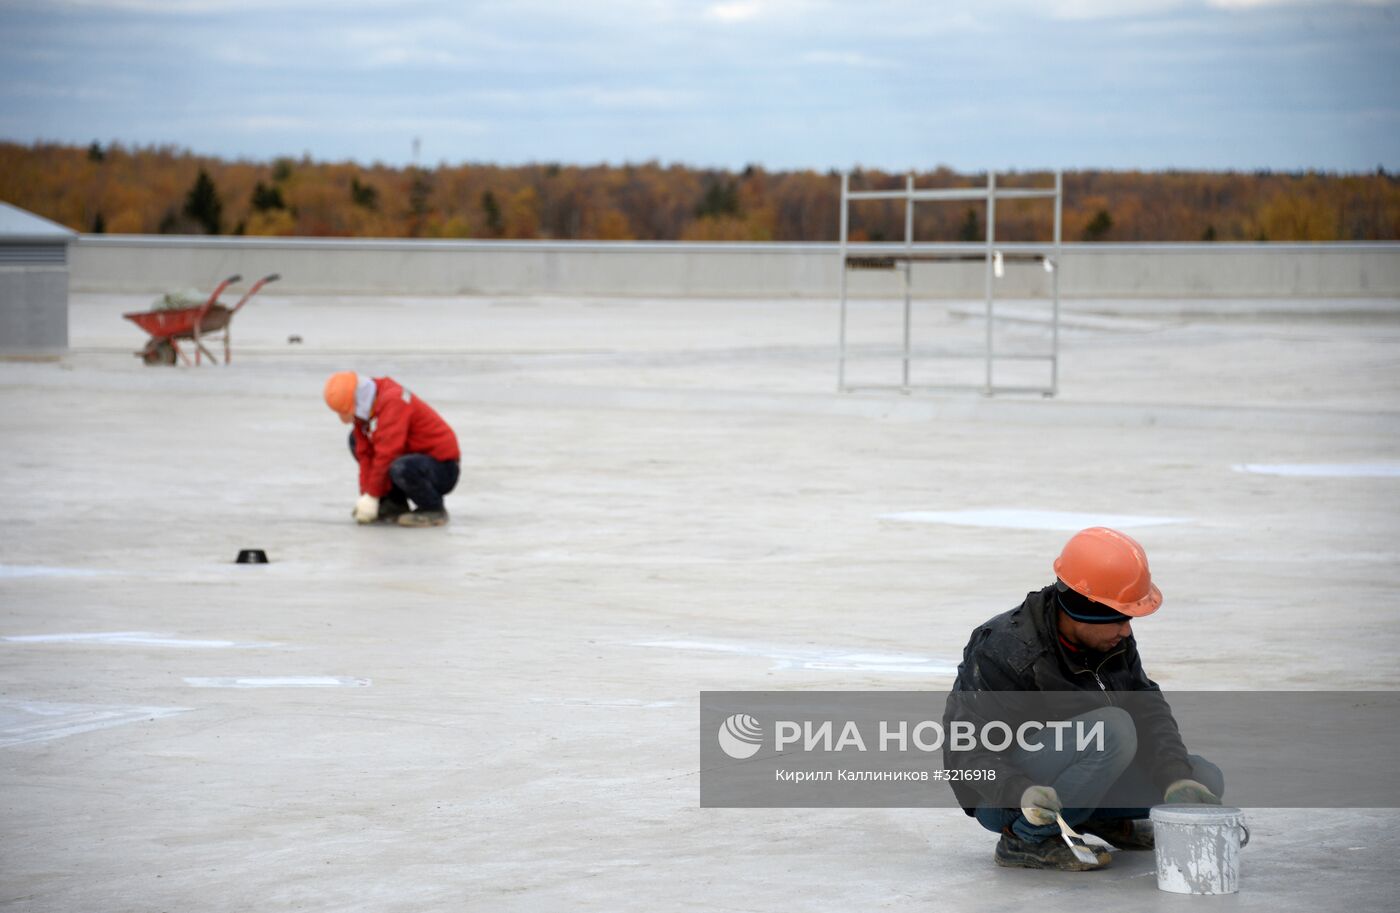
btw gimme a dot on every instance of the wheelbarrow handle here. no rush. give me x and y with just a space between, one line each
217 292
273 277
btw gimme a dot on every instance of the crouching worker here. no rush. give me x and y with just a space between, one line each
1074 638
406 452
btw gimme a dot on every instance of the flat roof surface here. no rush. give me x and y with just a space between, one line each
657 498
21 225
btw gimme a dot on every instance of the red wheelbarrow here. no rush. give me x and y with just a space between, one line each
195 324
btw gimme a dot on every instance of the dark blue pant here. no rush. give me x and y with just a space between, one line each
419 478
1090 783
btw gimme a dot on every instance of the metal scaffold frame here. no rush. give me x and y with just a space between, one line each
994 258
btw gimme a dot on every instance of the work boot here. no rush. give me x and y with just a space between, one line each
424 518
390 511
1124 833
1050 853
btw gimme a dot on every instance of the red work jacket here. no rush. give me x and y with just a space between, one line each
399 423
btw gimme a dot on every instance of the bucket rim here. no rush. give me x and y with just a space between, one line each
1193 813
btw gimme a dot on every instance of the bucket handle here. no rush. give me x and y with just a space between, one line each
1245 842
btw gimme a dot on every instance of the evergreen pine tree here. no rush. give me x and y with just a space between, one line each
1098 226
493 214
969 230
202 204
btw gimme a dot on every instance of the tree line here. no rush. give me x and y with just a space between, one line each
164 189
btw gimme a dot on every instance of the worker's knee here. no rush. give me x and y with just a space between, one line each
1119 741
402 471
1103 741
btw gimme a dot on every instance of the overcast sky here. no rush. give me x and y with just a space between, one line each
1245 84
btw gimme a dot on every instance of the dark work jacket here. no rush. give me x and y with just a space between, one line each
1020 650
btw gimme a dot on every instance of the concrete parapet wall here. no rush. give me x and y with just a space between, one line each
118 263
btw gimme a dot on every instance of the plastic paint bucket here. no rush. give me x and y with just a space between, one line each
1198 848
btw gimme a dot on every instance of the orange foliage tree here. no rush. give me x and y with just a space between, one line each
144 191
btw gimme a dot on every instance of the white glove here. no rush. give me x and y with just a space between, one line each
1190 791
367 509
1040 804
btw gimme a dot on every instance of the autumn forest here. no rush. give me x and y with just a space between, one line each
153 190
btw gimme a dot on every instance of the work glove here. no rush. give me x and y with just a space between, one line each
1189 791
1040 804
366 509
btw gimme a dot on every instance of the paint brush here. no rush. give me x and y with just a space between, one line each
1076 843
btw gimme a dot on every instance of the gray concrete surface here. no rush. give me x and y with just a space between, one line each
147 263
638 473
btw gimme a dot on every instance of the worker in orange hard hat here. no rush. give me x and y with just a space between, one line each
1074 640
406 452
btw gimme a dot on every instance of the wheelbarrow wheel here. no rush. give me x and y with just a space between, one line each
158 352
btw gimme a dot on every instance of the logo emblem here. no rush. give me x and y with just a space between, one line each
740 736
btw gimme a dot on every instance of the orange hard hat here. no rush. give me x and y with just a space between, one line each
340 393
1109 567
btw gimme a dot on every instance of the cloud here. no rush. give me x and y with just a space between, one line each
846 59
46 90
411 55
428 42
1263 4
1108 9
406 124
1127 9
817 82
602 97
733 11
207 7
572 97
730 11
913 12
